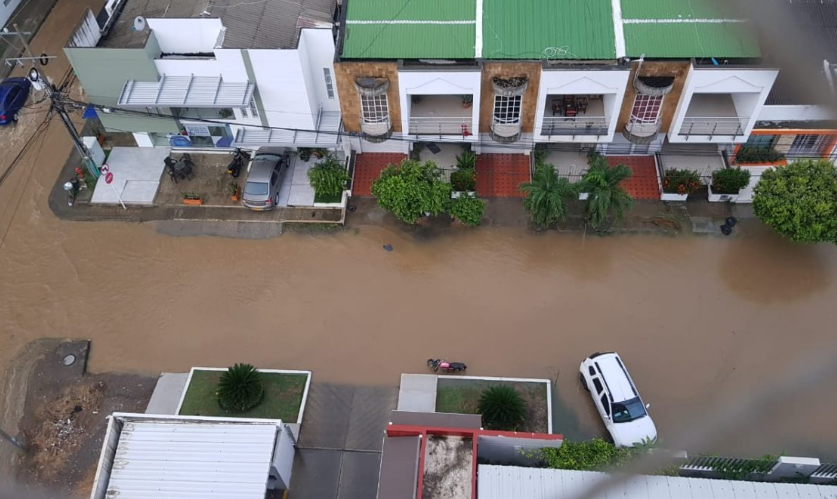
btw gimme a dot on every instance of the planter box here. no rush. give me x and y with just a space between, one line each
341 204
193 202
670 196
722 198
458 194
582 196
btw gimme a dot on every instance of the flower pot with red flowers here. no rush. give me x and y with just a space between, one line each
678 184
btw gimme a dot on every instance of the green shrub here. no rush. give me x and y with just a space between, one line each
677 181
729 180
240 388
468 210
412 189
592 455
328 177
305 153
606 196
466 161
545 196
754 154
799 201
463 180
502 408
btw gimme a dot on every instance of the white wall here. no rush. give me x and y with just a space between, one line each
609 83
6 11
440 83
186 36
282 87
316 47
753 85
795 113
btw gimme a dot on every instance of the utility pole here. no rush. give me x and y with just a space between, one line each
21 36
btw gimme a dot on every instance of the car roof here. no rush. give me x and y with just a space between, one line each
616 377
260 171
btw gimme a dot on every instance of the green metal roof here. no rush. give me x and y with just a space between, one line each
548 29
543 29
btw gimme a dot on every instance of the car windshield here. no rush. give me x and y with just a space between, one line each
628 410
267 157
256 188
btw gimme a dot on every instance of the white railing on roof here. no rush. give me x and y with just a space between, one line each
714 126
187 91
422 125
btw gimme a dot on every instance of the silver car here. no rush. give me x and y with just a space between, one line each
264 177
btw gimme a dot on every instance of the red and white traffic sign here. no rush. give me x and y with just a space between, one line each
108 177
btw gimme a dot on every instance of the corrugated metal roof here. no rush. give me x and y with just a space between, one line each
187 91
426 10
548 29
674 9
684 40
409 41
185 460
502 482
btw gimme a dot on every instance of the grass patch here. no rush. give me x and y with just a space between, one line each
461 396
322 198
282 397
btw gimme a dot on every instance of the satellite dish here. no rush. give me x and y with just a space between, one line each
139 23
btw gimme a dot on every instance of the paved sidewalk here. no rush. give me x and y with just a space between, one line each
417 393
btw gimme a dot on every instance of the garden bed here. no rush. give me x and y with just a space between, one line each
462 395
284 396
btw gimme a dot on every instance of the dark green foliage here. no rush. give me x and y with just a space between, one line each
606 198
545 196
466 161
468 210
799 201
240 388
677 181
729 180
328 177
752 154
463 180
592 455
412 189
502 408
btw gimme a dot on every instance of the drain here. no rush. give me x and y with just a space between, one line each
68 360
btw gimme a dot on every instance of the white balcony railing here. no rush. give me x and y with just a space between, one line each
641 128
584 125
433 125
731 126
375 129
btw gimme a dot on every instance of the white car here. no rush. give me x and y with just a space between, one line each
624 414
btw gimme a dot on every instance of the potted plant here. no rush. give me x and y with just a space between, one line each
192 198
679 183
463 181
320 153
727 183
235 191
305 153
752 155
328 178
225 113
467 210
466 161
467 101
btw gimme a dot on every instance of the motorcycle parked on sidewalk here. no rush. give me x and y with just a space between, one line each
240 158
445 366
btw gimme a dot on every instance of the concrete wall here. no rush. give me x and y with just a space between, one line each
283 458
795 113
106 457
345 74
186 36
7 9
531 70
439 83
679 70
611 84
318 47
748 88
282 87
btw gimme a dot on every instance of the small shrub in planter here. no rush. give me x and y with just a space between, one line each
463 180
502 408
240 388
754 155
328 177
677 181
468 210
305 153
729 180
466 161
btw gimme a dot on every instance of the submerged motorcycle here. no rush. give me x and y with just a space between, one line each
445 366
240 158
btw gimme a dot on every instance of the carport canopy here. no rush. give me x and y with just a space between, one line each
187 91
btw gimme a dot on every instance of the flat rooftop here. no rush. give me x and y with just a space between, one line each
448 467
253 24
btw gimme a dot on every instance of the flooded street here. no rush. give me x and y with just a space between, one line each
701 322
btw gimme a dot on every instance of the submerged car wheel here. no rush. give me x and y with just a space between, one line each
583 382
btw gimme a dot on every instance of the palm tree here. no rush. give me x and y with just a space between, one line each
545 195
240 388
606 195
502 408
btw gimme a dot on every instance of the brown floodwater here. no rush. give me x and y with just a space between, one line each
704 324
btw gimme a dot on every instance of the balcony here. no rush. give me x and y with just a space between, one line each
574 115
641 131
441 115
711 115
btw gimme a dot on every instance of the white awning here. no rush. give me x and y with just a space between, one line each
327 134
187 91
